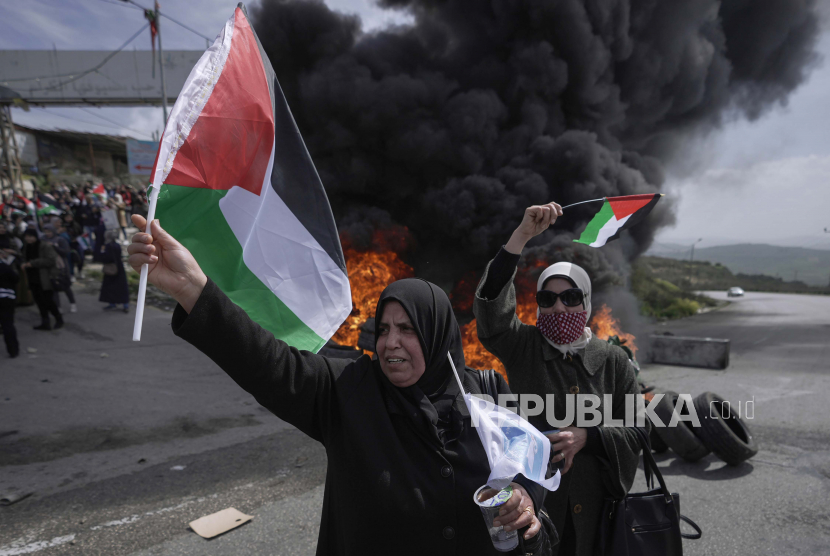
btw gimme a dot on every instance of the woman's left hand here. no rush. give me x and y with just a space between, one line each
569 441
519 512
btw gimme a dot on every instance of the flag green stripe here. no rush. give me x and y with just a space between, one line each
192 215
591 233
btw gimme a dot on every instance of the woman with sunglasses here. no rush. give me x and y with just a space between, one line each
560 356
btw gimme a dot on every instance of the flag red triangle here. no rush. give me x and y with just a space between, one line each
230 143
629 204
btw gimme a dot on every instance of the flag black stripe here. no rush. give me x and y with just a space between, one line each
294 177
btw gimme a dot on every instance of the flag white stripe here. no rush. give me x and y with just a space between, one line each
609 229
282 253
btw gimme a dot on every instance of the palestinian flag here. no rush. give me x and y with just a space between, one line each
100 191
44 209
616 215
30 206
237 187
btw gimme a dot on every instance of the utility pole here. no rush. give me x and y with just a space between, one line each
161 67
10 149
154 17
692 262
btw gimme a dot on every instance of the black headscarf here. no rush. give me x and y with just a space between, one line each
32 250
430 311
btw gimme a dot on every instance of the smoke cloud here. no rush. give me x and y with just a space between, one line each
455 124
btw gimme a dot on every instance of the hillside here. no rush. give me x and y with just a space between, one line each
705 275
810 266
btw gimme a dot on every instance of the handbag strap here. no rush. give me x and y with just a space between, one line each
694 525
649 465
650 468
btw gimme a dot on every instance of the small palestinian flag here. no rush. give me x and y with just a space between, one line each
100 191
238 188
616 215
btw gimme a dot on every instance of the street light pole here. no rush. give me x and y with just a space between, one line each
692 261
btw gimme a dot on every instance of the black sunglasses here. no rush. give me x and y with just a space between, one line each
570 298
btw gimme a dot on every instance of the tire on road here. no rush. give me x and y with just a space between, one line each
681 439
657 444
727 436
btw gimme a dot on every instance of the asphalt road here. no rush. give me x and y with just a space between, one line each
123 444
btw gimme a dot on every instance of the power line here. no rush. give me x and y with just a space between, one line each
185 26
162 14
122 4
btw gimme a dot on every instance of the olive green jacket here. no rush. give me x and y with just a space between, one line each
535 367
47 264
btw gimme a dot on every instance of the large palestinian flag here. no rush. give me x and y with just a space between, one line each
238 188
616 215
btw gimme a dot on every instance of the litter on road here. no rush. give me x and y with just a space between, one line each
222 521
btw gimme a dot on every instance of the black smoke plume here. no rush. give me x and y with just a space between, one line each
453 125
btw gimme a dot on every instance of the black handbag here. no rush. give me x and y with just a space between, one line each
644 523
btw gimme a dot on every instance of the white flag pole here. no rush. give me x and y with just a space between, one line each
583 202
142 282
455 373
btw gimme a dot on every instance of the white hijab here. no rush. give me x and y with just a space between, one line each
578 276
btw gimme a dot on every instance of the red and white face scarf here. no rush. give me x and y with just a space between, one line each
562 328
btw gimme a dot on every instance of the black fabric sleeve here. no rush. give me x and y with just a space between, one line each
593 444
297 386
501 270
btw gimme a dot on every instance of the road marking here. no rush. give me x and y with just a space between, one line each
117 522
12 550
16 548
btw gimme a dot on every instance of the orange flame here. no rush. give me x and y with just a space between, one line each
604 326
369 273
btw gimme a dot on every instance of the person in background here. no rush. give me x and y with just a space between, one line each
9 277
41 266
100 238
114 288
74 234
560 356
117 203
127 195
140 204
63 250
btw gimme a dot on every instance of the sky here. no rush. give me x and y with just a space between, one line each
766 181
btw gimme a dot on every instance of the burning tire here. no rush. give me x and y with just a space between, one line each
681 439
723 431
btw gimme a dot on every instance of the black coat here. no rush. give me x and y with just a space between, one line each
390 488
114 289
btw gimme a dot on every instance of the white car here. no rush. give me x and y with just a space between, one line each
735 292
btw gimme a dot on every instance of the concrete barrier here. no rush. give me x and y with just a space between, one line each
709 353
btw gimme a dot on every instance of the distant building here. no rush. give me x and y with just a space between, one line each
71 152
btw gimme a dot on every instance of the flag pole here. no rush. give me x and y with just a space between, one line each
145 269
455 373
583 202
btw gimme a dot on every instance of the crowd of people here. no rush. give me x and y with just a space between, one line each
47 238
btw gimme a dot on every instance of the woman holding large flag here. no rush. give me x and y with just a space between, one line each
403 458
560 356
